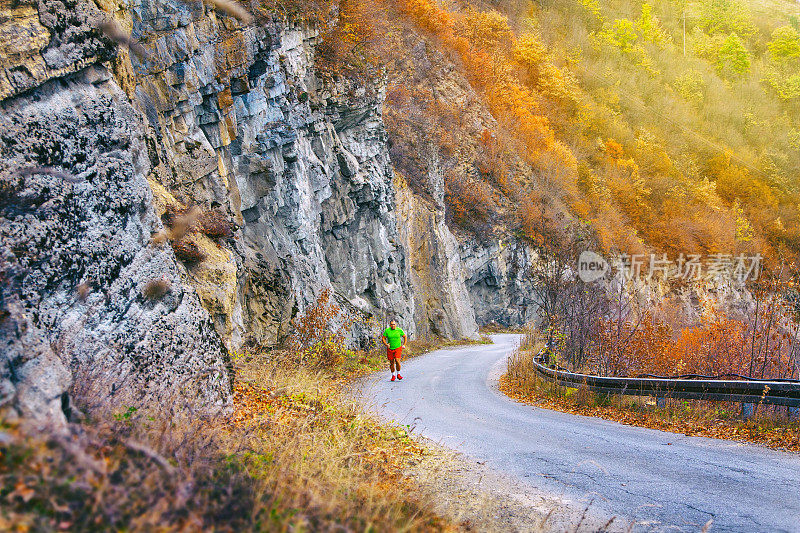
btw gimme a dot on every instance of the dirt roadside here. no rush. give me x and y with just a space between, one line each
481 498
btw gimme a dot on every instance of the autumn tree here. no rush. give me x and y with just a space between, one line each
733 58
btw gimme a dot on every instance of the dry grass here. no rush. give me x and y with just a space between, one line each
770 426
155 289
295 454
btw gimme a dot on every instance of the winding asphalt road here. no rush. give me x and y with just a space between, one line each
662 481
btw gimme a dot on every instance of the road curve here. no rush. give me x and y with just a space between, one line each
662 481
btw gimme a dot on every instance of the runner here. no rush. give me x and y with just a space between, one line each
394 339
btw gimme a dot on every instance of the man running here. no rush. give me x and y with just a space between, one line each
394 339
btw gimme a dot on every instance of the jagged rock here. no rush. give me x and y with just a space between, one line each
308 176
45 39
76 216
33 379
443 306
499 284
221 116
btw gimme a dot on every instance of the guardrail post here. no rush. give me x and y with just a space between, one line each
747 410
661 403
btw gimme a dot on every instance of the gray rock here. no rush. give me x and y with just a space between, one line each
312 189
76 218
226 117
498 282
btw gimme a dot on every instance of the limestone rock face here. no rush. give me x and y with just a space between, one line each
498 283
33 379
76 217
45 39
241 120
443 306
96 144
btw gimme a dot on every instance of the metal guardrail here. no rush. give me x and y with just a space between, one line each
716 390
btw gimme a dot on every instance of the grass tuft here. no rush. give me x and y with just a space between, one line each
155 289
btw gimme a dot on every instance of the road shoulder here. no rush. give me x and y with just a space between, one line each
481 498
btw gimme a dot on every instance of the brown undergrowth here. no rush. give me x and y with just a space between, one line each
770 426
294 454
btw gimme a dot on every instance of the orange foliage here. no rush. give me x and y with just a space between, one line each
546 121
472 203
717 345
319 335
735 181
614 149
485 44
348 47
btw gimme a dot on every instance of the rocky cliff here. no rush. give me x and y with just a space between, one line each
242 120
84 290
441 300
499 285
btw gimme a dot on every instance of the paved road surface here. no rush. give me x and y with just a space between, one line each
663 481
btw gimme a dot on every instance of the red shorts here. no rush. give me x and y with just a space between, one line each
393 354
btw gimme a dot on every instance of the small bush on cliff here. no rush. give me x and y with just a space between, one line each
319 335
215 225
187 250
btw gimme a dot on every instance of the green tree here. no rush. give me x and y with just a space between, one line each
622 34
785 44
650 27
787 87
726 16
733 56
691 87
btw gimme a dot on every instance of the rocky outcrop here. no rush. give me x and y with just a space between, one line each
76 222
46 39
499 283
98 145
242 120
76 218
436 121
442 303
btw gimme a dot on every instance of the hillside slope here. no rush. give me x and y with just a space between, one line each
596 115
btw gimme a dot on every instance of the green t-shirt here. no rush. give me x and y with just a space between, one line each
394 336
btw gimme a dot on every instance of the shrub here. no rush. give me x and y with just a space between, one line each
785 44
691 87
215 225
319 336
187 250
